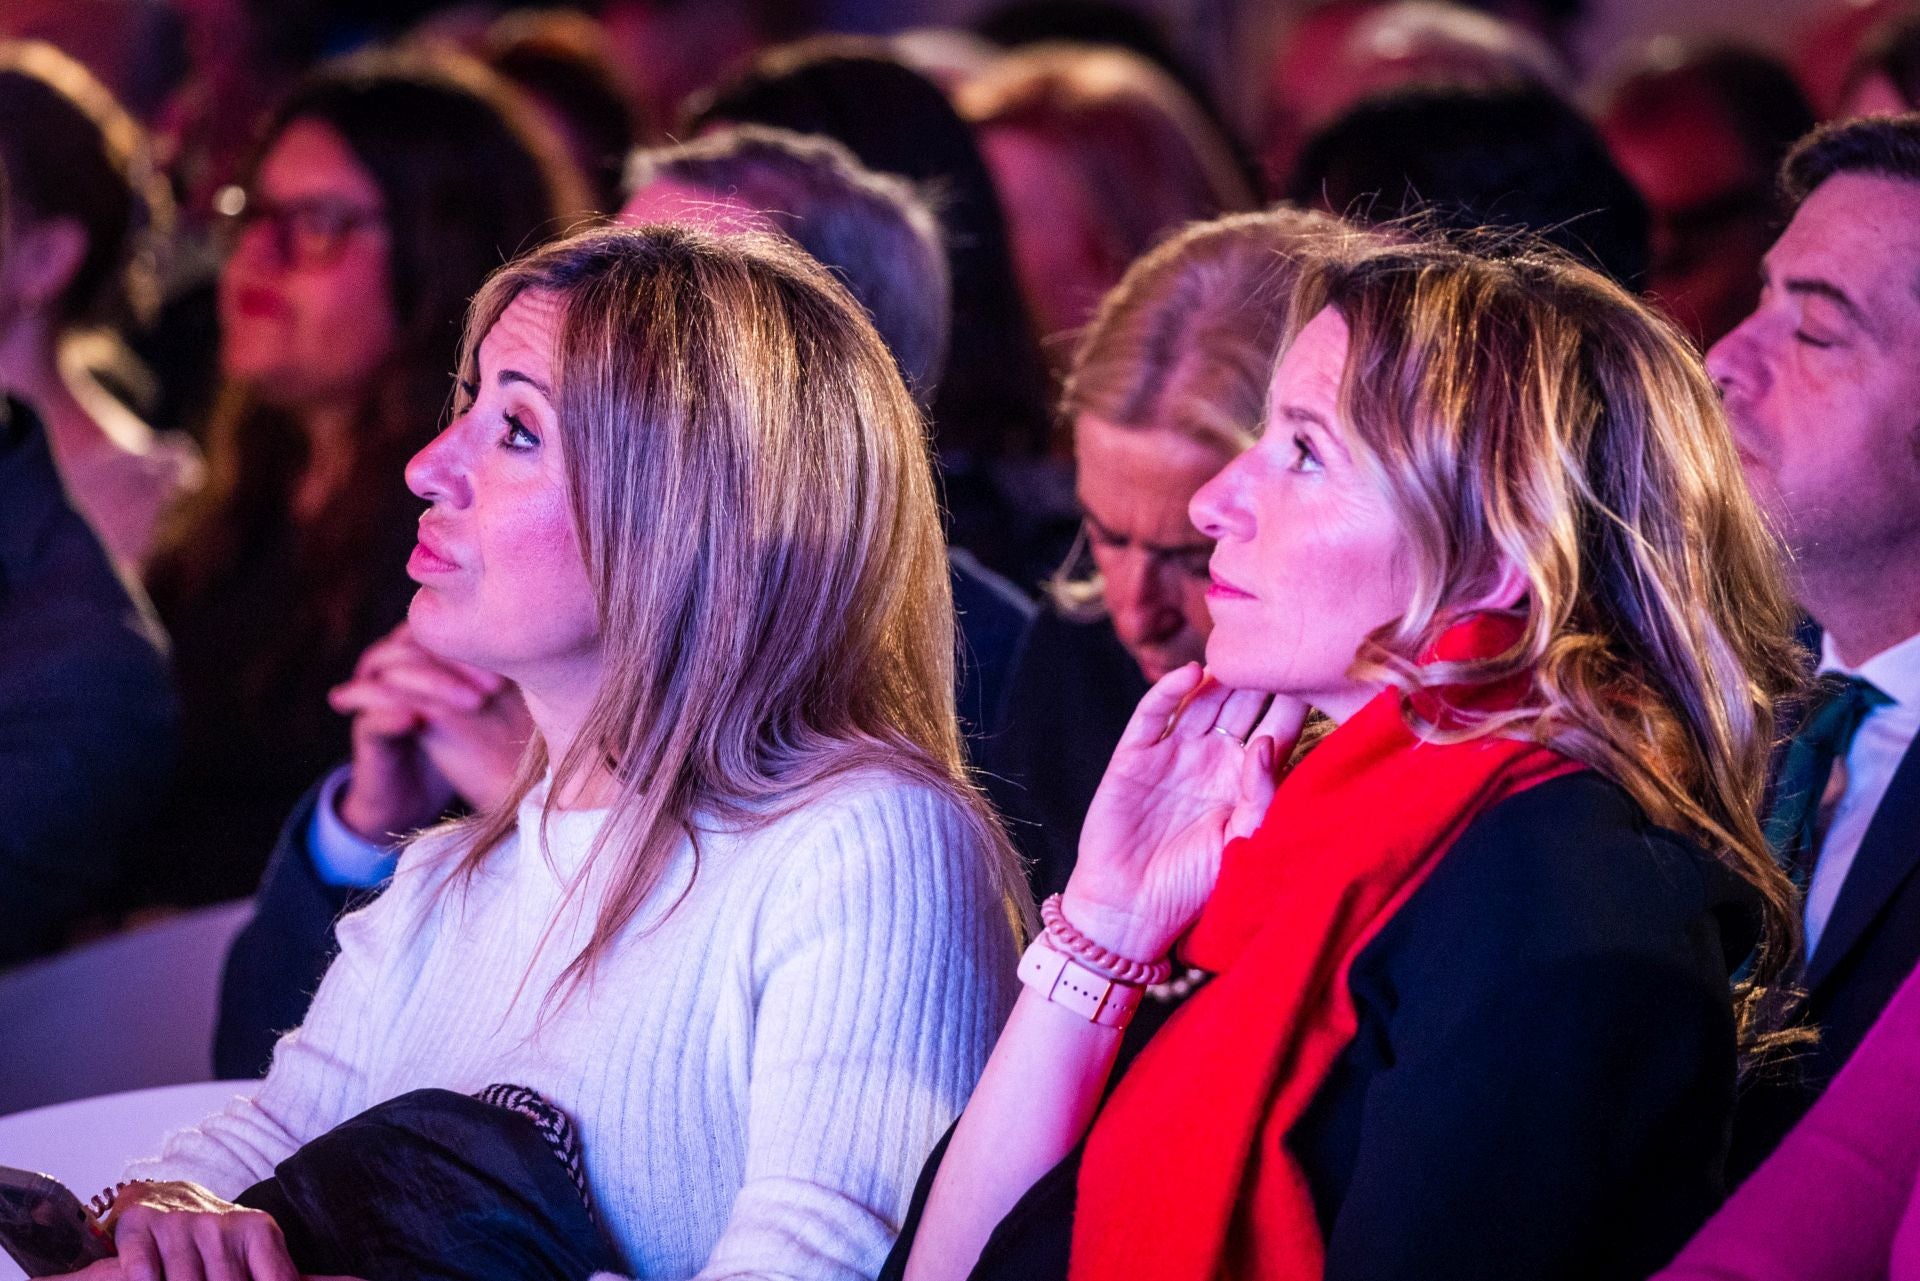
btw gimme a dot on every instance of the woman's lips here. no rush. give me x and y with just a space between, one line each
1221 589
428 559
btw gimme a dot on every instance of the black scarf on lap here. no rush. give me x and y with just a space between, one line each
438 1186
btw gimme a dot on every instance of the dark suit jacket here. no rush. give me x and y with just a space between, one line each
278 959
1870 945
87 716
1542 1080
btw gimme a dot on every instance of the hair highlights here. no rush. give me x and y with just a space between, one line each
1525 414
754 496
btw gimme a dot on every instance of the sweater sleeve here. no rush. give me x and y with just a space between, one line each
1827 1204
319 1073
884 969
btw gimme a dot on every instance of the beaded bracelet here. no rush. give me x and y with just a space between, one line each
1107 964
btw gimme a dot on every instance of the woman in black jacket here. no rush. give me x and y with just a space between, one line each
1470 1013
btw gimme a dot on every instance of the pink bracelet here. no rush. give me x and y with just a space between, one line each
1107 964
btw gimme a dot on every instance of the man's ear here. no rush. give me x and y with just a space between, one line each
44 256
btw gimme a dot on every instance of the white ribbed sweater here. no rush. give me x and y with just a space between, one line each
756 1081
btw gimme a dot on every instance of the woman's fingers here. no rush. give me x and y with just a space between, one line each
1157 708
1282 722
139 1252
434 683
266 1255
1259 780
1240 712
376 709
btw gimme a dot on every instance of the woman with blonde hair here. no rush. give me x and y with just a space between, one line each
1165 389
1470 1013
742 917
1098 155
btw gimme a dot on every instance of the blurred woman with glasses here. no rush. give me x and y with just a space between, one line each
384 191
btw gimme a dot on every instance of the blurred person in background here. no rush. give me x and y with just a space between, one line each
427 730
1097 155
1885 78
559 60
1516 157
1008 499
667 51
87 718
137 48
86 210
1701 133
356 244
1166 388
1344 52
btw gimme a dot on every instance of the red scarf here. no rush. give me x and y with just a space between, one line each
1186 1175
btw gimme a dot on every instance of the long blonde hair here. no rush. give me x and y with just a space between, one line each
753 492
1520 409
1186 343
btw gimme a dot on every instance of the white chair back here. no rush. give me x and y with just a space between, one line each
124 1013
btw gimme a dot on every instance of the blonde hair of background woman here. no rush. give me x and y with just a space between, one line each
1186 343
1519 406
752 488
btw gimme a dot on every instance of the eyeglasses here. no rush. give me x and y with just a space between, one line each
309 233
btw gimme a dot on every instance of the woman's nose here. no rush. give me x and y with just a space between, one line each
438 472
1215 509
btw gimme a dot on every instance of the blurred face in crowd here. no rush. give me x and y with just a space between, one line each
1309 554
503 584
1057 249
1822 383
1710 212
306 311
1134 487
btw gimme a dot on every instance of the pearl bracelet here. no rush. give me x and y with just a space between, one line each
1107 964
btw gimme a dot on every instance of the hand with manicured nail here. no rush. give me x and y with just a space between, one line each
1197 766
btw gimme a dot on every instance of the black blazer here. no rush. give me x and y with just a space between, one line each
1543 1077
1869 947
88 724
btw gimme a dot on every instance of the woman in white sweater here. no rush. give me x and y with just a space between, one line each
743 917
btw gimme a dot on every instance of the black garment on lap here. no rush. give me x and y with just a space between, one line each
436 1186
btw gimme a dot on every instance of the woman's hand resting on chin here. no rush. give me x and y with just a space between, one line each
1197 766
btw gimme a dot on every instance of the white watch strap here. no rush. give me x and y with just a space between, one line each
1065 982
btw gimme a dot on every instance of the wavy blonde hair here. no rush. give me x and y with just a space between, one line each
1186 343
1521 410
752 488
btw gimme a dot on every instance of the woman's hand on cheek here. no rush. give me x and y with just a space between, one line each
182 1232
1197 766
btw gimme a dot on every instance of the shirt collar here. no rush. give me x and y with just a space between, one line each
1895 671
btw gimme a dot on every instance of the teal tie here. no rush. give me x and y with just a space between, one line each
1840 704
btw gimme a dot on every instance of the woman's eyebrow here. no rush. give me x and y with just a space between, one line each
515 376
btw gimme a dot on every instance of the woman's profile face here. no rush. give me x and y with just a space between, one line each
502 581
1134 485
306 310
1309 556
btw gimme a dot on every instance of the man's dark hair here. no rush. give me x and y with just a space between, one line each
1878 146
